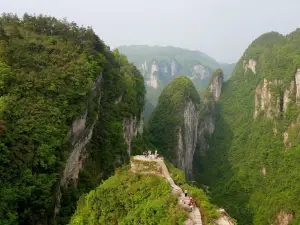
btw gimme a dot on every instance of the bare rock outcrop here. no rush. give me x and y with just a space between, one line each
216 86
174 67
131 127
265 102
251 64
224 218
199 71
283 218
288 94
187 138
208 120
80 135
297 80
152 80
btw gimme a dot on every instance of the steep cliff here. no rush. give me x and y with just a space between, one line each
160 65
131 199
254 150
71 109
173 125
207 113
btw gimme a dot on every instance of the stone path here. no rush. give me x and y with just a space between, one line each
194 214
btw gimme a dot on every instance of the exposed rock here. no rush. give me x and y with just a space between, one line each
144 69
283 218
297 80
207 123
78 126
152 80
188 222
131 127
286 140
224 218
190 135
118 100
264 101
216 86
174 67
287 95
200 71
206 126
264 171
187 139
250 65
80 135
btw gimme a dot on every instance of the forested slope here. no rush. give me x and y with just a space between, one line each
68 104
252 165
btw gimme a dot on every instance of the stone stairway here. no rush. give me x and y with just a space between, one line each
194 214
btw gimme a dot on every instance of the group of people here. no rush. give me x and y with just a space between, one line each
148 154
191 202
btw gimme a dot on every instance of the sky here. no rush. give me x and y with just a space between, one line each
223 29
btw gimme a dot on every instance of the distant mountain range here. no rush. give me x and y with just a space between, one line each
160 65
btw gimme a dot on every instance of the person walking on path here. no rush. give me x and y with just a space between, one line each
149 153
185 193
192 204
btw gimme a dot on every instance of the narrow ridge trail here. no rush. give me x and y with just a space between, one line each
194 214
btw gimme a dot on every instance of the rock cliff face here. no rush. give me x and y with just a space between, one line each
208 118
175 67
80 135
251 64
152 79
283 218
199 71
288 93
187 138
265 102
178 118
131 127
272 104
216 86
297 80
167 70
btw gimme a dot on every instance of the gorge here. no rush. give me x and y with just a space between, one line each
72 119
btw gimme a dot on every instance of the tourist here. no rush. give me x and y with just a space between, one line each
185 193
192 204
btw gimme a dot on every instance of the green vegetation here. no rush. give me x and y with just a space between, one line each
167 116
186 58
129 199
209 211
173 62
47 71
241 147
144 166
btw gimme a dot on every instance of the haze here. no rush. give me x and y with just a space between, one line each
221 29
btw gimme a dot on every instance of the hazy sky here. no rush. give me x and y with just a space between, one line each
222 29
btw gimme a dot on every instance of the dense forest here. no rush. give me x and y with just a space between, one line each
53 73
252 166
131 199
71 116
